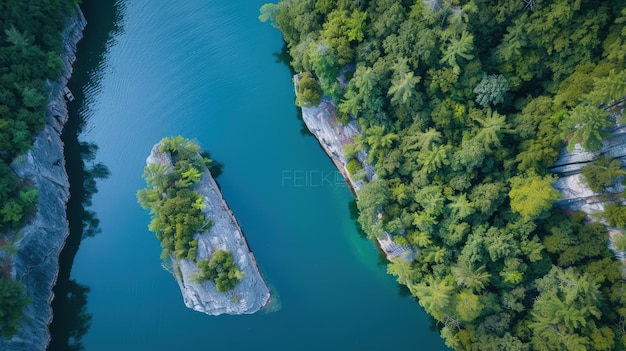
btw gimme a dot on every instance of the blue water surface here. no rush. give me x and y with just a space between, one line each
210 71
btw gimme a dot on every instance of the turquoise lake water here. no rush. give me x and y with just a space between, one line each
210 71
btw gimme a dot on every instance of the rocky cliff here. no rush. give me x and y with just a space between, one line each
575 194
36 261
322 122
251 293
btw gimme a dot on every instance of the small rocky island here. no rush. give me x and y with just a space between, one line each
203 246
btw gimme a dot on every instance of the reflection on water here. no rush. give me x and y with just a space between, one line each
354 216
284 58
71 320
216 168
68 331
403 290
90 173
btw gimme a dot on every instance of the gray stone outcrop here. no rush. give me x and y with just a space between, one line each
322 122
251 293
575 194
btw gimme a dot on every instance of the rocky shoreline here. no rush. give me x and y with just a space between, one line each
251 294
36 263
575 194
322 122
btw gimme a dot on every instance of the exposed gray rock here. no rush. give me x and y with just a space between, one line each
251 293
36 261
614 146
575 194
322 122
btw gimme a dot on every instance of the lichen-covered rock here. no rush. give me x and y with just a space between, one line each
251 293
36 262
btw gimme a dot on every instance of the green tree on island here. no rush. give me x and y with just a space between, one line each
221 269
176 210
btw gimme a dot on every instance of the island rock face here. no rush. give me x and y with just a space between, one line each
36 263
322 122
251 293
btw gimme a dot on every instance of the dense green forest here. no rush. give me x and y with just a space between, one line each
464 106
176 210
30 47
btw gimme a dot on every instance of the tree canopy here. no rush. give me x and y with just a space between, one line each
175 207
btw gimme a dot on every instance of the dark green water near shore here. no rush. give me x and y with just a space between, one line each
210 71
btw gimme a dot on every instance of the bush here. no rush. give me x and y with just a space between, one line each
309 91
601 173
12 302
343 118
350 150
619 242
615 215
221 269
353 167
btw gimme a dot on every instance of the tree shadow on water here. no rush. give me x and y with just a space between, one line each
354 216
215 167
71 320
75 321
304 130
403 290
284 58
